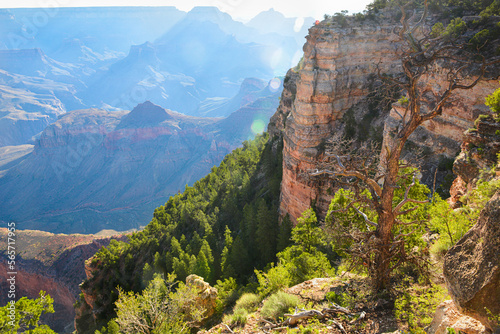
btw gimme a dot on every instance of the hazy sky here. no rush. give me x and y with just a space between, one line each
239 9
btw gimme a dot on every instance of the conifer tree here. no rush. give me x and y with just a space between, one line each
202 267
266 233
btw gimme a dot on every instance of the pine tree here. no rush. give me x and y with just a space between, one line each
285 233
239 259
226 268
147 274
266 233
202 267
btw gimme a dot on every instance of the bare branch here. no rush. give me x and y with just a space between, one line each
339 325
365 217
228 328
293 319
411 209
407 200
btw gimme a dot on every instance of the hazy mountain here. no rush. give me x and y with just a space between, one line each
117 57
194 61
95 169
106 167
29 104
272 21
250 90
34 63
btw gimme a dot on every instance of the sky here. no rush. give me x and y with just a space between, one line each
238 9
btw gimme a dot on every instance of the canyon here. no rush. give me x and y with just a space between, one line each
55 264
95 169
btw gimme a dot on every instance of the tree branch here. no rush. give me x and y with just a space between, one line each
366 217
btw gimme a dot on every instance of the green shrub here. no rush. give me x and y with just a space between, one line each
248 301
237 318
437 30
480 38
492 9
274 280
417 304
455 29
227 291
308 330
278 304
340 18
493 101
403 100
453 224
450 224
336 298
158 309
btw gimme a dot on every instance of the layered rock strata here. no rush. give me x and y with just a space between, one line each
53 263
334 75
334 78
441 137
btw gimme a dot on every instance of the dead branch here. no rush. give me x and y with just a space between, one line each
293 319
337 308
361 317
339 325
228 328
406 199
365 217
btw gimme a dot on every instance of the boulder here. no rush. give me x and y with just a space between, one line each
447 316
472 268
207 295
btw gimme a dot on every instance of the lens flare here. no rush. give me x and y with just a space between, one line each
276 58
258 126
299 23
274 84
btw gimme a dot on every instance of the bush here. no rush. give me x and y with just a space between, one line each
417 304
493 101
335 298
248 302
227 291
158 308
437 30
455 29
480 38
450 224
278 304
238 318
275 279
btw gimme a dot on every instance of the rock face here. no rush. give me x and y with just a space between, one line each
332 81
333 76
472 268
441 137
479 152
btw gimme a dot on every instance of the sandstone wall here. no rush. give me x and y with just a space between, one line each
335 75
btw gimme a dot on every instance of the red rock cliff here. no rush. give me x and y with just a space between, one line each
333 76
336 75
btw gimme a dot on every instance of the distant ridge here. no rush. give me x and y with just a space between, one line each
146 114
